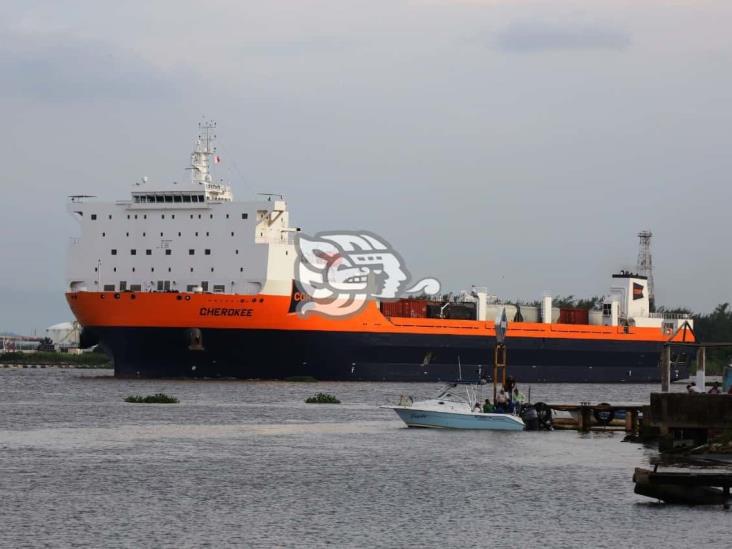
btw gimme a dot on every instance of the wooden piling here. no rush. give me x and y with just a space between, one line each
666 369
631 421
701 361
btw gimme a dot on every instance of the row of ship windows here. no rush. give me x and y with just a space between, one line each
162 286
168 251
152 269
162 216
127 234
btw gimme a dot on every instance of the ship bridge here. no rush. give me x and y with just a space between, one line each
188 236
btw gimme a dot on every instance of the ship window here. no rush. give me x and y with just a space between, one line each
109 287
196 233
178 233
186 198
232 233
152 269
160 285
144 216
169 269
133 269
135 216
104 234
166 285
207 251
96 269
172 216
211 216
237 252
158 198
199 216
219 288
191 252
191 216
190 287
94 216
168 252
128 216
114 252
206 233
161 234
191 269
177 198
122 285
110 216
148 252
162 216
227 216
144 234
115 269
212 269
168 198
204 285
127 234
133 252
135 288
244 216
241 269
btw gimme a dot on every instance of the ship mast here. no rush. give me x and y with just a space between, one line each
201 163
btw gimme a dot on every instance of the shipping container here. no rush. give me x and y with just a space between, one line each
574 316
405 308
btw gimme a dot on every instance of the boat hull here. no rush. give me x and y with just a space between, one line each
451 420
363 356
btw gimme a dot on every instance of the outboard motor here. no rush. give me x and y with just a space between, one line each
537 417
530 417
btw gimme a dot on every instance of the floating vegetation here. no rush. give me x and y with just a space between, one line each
302 379
322 398
158 398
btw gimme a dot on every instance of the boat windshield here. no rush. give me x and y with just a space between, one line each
455 393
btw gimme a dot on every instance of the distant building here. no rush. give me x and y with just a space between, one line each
64 335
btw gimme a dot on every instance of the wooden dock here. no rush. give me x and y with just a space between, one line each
690 488
587 416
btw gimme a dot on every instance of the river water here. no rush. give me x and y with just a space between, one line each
249 464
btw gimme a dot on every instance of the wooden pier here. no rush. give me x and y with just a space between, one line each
588 416
690 488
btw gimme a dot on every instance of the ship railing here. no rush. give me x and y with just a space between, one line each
670 316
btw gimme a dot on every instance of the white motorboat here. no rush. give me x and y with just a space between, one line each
453 409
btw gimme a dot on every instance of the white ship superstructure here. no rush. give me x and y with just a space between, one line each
183 237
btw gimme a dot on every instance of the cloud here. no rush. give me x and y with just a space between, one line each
531 37
60 67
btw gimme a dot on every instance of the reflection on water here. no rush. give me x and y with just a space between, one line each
249 464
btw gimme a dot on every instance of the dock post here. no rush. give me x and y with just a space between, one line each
665 368
631 421
585 419
701 363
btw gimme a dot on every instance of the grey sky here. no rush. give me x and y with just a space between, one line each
516 145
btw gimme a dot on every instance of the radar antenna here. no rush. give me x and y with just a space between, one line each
645 264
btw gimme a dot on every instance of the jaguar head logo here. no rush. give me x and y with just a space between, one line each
340 271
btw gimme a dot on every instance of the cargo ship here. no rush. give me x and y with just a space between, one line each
181 280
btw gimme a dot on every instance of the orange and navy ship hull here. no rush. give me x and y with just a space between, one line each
168 334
